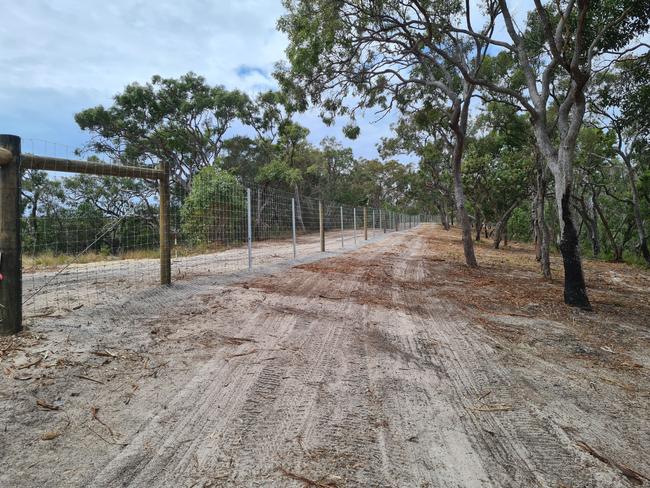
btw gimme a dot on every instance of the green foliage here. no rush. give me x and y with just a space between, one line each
214 208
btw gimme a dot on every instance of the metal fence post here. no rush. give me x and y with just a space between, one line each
354 218
11 291
322 226
365 223
164 227
250 229
381 222
373 223
293 225
342 237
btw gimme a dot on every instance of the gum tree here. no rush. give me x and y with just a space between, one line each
352 55
552 62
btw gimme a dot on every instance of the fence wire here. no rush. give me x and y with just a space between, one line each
88 256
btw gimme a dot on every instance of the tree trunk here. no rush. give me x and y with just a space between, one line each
575 289
595 237
459 126
34 222
478 224
618 250
534 221
643 238
502 224
540 213
444 220
465 223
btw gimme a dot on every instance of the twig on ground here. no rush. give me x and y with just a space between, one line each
94 411
106 440
241 354
495 407
46 405
305 480
89 379
634 476
29 365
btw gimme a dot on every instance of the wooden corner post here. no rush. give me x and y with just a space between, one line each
11 285
165 234
322 226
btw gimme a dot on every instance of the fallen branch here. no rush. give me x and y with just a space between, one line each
47 406
35 363
89 379
305 480
241 354
634 476
495 407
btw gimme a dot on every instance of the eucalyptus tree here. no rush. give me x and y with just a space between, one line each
622 106
546 69
420 133
351 55
181 121
39 196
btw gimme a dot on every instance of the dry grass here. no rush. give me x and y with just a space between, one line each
51 260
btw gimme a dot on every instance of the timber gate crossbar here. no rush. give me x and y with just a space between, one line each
12 162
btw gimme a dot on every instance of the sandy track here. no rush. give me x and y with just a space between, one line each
351 372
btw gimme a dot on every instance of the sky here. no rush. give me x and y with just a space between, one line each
60 57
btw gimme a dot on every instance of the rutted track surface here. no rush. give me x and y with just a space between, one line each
351 372
363 379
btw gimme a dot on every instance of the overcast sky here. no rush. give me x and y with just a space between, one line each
59 57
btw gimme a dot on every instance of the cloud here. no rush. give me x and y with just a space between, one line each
61 57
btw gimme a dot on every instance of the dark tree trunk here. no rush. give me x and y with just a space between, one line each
540 213
478 225
575 289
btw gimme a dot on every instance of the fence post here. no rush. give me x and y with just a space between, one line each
373 223
293 225
249 218
342 236
11 307
354 218
365 223
322 226
164 227
381 222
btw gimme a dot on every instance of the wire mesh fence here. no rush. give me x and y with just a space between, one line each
92 253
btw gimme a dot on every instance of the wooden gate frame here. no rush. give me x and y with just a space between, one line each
12 161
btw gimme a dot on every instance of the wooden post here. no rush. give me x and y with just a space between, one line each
11 285
322 226
165 240
365 223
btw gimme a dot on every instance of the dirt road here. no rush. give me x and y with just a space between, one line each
350 371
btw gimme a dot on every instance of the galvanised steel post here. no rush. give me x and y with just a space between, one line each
293 225
250 229
342 237
354 218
